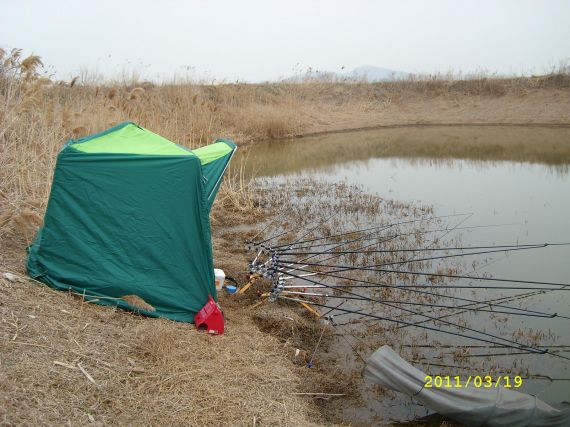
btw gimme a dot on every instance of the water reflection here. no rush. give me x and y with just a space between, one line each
434 146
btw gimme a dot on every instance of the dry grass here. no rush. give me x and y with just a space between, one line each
145 372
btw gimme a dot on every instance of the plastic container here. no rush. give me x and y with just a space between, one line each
220 276
210 319
230 289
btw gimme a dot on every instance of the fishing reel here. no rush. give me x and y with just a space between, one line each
278 285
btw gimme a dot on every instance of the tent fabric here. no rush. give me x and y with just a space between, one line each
129 138
130 217
496 406
212 152
215 159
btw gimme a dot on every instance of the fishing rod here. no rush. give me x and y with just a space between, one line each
494 300
362 247
436 240
467 356
447 231
456 276
463 308
374 228
365 237
438 257
344 243
518 346
473 346
468 215
525 348
529 245
417 232
413 290
561 286
506 299
335 247
294 229
452 307
427 316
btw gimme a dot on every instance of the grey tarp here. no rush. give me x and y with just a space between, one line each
468 405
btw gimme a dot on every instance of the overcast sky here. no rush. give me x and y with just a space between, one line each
266 40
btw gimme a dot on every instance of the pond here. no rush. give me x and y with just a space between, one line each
515 181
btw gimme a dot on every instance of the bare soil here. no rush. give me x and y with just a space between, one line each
535 107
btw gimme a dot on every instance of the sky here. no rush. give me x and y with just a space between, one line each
259 40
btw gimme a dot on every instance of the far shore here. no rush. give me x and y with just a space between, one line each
426 125
540 107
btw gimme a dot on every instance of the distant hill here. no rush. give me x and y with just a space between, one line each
374 74
364 72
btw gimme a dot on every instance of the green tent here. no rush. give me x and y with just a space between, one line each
128 216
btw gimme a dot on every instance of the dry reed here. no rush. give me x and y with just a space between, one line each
146 371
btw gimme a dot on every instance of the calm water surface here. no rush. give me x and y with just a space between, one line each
517 177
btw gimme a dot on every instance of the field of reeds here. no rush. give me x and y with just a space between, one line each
56 361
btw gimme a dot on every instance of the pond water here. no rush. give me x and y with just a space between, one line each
514 177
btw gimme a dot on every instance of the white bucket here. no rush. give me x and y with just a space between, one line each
220 276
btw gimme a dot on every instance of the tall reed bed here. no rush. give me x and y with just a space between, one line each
38 115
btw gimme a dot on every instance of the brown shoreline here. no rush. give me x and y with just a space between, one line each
316 115
413 125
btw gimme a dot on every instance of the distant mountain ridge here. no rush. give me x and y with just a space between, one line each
369 73
375 74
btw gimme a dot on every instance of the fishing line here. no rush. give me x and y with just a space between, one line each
354 350
310 362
